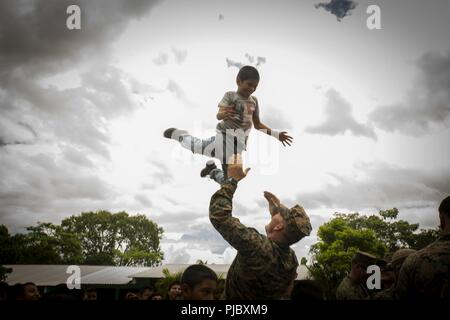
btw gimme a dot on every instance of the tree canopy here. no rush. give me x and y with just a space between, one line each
379 234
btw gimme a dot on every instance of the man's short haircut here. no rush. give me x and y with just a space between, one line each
248 73
196 273
444 207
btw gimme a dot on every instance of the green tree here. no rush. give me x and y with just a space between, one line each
4 272
43 244
331 256
116 239
342 236
162 285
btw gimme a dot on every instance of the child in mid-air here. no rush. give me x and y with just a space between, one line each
238 111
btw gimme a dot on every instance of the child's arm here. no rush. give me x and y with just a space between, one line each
282 136
226 107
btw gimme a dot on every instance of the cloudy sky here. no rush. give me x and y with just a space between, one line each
82 111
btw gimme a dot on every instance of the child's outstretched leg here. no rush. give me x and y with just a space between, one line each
220 175
216 174
194 144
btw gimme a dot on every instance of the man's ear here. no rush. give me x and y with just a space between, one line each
279 227
238 81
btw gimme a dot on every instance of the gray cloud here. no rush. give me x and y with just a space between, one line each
180 55
143 199
274 119
161 59
34 36
75 116
162 174
339 119
204 236
179 93
172 255
14 133
427 104
76 156
339 8
231 63
46 187
254 61
178 221
48 173
250 58
384 186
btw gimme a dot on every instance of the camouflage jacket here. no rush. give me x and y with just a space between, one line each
350 291
426 273
386 294
262 269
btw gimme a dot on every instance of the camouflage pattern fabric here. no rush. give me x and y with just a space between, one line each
262 269
386 294
426 273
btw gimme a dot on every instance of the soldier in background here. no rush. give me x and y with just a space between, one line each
426 273
353 287
396 263
264 266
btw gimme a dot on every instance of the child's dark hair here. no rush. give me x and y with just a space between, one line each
196 273
248 73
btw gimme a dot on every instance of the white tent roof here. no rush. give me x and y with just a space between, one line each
52 275
156 272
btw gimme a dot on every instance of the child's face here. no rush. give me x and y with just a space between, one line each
202 291
31 292
247 87
174 291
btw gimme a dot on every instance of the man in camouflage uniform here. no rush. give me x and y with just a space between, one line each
396 263
265 266
426 273
353 287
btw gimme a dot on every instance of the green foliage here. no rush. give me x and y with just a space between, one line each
43 244
4 272
163 284
93 238
345 234
116 239
332 255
